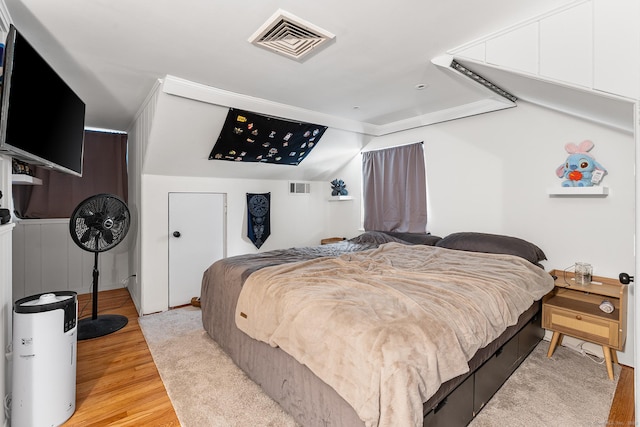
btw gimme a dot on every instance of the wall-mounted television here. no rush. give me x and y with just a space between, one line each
41 117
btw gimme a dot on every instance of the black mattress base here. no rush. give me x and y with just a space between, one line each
460 399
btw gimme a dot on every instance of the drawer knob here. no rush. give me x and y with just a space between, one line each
578 317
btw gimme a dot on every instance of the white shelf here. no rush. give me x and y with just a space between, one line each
594 191
22 179
340 198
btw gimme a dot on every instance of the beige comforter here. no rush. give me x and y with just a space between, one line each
386 327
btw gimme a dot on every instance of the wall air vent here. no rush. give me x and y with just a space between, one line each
290 36
299 187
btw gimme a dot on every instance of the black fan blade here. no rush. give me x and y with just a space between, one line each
86 236
108 236
120 216
86 213
92 221
110 207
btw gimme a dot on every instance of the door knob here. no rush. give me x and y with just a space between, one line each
625 279
176 234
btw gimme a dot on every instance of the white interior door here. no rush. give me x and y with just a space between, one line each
197 238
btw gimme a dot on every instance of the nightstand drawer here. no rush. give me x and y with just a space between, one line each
580 325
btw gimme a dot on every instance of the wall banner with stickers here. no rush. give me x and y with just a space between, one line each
252 137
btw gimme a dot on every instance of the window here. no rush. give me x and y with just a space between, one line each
104 171
394 189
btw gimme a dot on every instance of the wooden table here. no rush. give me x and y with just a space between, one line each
573 309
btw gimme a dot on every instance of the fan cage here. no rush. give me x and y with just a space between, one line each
99 223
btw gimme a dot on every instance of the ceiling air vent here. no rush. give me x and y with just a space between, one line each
290 36
299 187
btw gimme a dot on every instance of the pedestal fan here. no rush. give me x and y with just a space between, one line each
98 224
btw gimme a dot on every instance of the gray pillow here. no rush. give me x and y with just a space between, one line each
493 243
380 237
415 238
375 238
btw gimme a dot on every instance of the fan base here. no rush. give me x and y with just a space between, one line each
100 326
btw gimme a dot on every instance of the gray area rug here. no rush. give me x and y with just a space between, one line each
207 389
567 390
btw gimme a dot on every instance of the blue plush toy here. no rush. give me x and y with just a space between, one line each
578 169
338 188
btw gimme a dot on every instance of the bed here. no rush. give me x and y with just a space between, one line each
326 374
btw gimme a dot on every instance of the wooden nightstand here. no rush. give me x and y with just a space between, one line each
332 240
571 309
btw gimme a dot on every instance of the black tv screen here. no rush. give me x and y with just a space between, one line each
41 117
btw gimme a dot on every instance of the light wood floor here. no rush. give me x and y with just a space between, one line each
118 383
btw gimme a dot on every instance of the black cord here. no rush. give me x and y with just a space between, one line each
91 300
564 274
86 303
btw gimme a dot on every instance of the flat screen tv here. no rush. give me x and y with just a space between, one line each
41 117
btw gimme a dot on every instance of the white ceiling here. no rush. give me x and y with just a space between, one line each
112 52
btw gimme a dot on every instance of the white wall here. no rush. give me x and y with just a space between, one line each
490 173
46 259
6 308
296 220
138 140
169 144
6 302
345 217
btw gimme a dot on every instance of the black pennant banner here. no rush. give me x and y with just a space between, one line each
258 217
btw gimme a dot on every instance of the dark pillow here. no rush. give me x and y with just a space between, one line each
493 243
374 238
415 238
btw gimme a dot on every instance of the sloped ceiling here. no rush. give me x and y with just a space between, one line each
185 129
112 53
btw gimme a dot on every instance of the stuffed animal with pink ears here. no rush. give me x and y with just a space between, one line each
578 169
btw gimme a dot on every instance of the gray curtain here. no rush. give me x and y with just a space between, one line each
395 189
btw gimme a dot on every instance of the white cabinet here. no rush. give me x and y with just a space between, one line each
517 49
566 41
593 44
617 47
